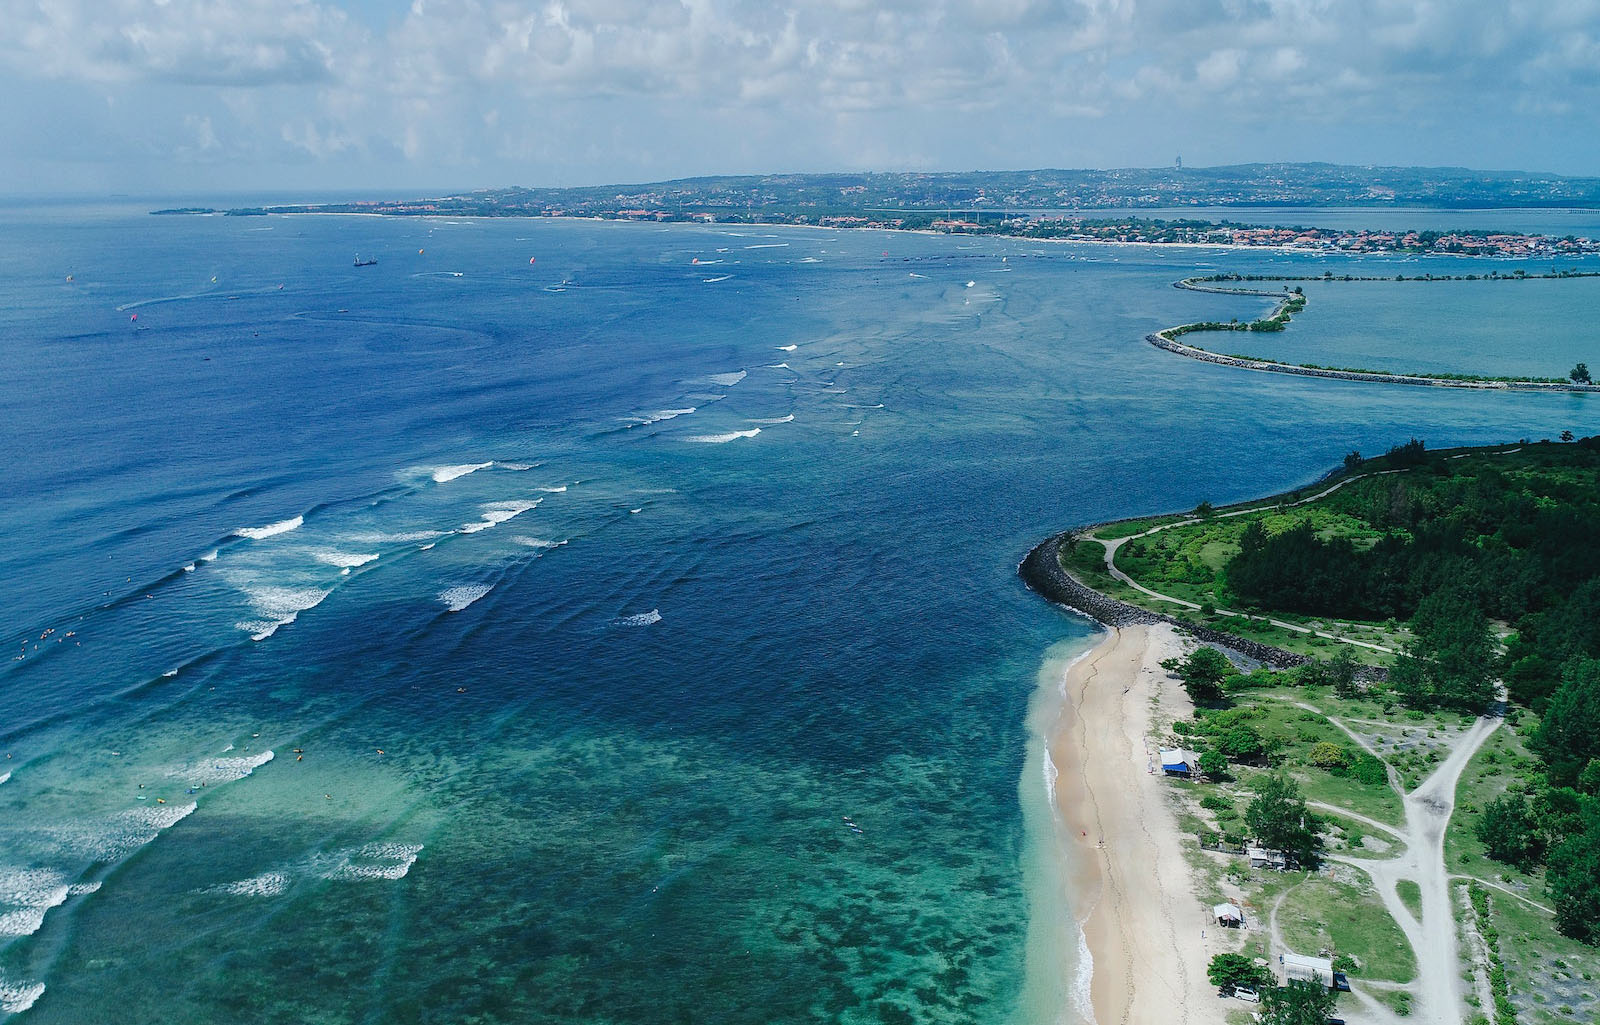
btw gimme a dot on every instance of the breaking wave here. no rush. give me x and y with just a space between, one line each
445 474
457 598
723 439
270 530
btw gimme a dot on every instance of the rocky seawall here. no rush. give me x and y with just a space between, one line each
1160 341
1042 571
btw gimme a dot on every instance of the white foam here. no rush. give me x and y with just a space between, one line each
279 606
712 281
971 283
375 861
776 420
345 560
210 556
641 619
427 546
723 439
188 567
779 366
1051 774
445 474
519 467
530 542
499 512
220 770
664 414
169 674
397 537
123 833
559 489
16 997
727 380
769 245
270 530
787 348
914 274
26 895
1082 979
267 884
811 259
4 776
457 598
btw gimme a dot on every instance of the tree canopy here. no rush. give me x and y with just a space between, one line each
1231 971
1298 1003
1278 818
1202 673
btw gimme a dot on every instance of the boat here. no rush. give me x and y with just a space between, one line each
366 263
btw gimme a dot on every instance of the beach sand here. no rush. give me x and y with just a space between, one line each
1142 919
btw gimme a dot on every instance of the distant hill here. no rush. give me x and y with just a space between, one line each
1124 188
876 194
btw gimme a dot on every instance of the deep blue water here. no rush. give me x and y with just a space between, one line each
581 706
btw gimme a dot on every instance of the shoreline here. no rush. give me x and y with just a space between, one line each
1281 249
1141 923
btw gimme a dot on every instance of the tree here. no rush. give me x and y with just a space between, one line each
1298 1003
1202 673
1340 673
1278 818
1451 658
1352 459
1509 832
1242 742
1205 510
1566 435
1229 972
1568 737
1328 755
1214 764
1574 879
1580 374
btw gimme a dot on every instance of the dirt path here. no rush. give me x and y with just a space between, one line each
1433 936
1111 547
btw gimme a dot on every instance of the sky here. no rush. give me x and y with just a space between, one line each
209 97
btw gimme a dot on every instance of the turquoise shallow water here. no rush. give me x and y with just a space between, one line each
634 638
1535 328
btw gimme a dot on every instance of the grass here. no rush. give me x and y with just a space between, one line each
1411 896
1324 914
1543 968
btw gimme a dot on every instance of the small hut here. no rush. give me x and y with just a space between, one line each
1308 969
1175 761
1229 916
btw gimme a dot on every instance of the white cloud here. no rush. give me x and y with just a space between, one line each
326 84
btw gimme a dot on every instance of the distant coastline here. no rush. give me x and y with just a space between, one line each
1033 226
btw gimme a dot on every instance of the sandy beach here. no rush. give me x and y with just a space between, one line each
1143 922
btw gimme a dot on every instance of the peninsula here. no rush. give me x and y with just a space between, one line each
1273 767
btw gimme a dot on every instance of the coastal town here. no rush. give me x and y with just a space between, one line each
1062 216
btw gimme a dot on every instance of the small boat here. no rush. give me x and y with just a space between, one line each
366 263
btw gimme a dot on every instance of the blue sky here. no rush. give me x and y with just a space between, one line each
210 96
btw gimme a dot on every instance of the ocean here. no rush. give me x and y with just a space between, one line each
572 621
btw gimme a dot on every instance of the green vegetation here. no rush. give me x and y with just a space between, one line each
1411 896
1349 919
1202 674
1229 972
1298 1003
1279 820
1504 1012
